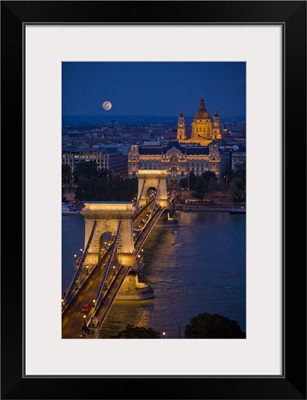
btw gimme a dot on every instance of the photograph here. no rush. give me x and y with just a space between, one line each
153 200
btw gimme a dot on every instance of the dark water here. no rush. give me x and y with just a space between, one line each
197 267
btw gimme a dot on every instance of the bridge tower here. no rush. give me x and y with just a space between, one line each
104 217
152 179
107 215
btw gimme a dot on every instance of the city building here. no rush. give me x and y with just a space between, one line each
177 159
232 154
108 158
204 130
238 156
197 153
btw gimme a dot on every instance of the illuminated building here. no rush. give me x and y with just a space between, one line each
199 153
177 159
181 127
110 159
204 130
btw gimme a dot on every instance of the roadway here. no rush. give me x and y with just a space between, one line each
115 283
72 317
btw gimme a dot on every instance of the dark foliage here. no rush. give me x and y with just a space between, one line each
101 185
213 326
137 332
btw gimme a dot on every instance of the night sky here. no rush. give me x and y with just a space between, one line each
153 88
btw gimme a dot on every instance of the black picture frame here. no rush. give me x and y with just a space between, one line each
292 383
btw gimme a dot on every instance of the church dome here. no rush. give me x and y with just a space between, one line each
202 113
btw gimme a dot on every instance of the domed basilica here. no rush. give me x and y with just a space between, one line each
203 129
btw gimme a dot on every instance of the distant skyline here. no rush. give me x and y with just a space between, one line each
153 88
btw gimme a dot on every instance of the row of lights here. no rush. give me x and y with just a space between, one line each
75 255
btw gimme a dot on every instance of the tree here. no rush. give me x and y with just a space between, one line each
86 170
227 177
86 188
204 184
137 332
66 175
238 186
240 171
191 181
210 180
131 188
213 326
200 188
183 183
101 185
238 191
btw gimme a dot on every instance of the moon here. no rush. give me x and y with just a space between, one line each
107 105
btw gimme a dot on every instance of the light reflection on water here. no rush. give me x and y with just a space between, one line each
196 267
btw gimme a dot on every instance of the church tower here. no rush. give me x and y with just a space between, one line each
216 129
181 127
202 125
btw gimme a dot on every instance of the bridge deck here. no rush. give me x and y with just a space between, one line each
111 294
72 316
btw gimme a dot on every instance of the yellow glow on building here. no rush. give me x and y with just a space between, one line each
108 206
203 129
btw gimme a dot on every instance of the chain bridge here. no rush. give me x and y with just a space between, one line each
112 259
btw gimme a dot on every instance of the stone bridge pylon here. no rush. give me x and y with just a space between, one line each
148 179
106 217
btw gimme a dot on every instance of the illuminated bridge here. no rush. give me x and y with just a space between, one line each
111 261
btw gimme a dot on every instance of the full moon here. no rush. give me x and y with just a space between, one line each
107 105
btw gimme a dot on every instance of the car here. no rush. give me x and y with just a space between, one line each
85 308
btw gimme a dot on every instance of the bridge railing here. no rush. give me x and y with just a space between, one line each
139 211
156 197
148 227
102 315
102 285
140 196
154 203
82 282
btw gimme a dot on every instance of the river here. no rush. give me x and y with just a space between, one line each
197 267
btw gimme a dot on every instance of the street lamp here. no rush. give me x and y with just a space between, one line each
114 270
86 270
84 318
94 303
164 335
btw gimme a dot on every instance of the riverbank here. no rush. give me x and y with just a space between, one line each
207 207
